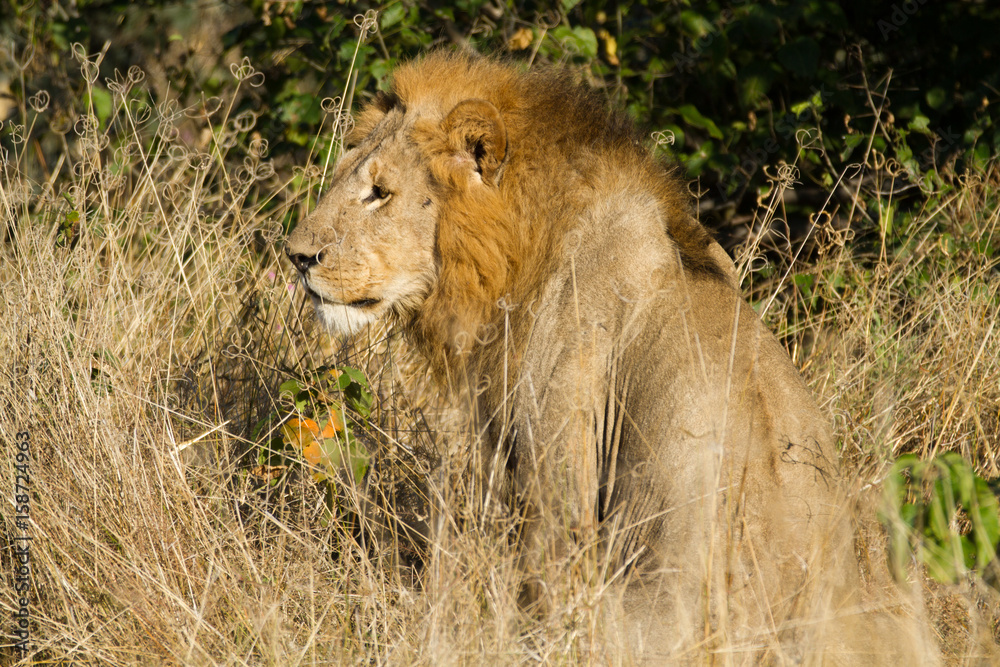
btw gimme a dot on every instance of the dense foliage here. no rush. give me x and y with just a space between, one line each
736 86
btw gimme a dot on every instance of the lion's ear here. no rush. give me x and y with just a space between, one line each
476 131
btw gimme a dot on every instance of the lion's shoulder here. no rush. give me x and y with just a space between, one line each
562 136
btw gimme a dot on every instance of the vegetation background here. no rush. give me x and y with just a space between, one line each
156 351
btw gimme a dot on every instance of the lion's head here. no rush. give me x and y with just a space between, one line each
412 223
368 249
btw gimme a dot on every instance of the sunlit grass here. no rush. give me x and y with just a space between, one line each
149 317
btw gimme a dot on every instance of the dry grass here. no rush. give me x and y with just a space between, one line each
147 319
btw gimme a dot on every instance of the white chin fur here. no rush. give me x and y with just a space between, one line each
340 319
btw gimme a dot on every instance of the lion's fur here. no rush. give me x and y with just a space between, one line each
503 243
631 401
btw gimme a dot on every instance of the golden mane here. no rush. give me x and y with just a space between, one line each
496 243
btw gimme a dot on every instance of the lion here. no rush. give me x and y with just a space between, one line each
630 400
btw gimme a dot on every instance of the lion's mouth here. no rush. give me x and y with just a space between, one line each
364 303
367 302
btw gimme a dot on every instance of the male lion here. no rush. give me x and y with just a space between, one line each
631 400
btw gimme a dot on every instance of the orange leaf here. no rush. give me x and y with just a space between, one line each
312 453
300 432
334 426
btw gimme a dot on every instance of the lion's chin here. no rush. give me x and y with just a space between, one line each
343 319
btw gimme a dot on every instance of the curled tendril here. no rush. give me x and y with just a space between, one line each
242 179
208 107
367 22
168 132
330 104
119 86
809 138
61 122
264 171
244 122
570 46
135 74
876 160
345 122
505 305
663 138
140 112
968 179
487 334
258 146
39 101
785 175
85 125
244 71
123 153
168 110
16 132
227 140
90 71
75 194
234 350
694 188
764 192
111 181
17 194
227 286
201 161
78 50
894 168
271 231
308 172
821 219
95 142
836 237
169 192
548 20
757 263
484 382
178 154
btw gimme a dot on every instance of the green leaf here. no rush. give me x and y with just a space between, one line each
936 97
392 15
940 516
579 39
101 101
290 387
695 24
851 141
921 124
693 117
347 454
354 385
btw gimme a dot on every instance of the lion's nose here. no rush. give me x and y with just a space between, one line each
302 262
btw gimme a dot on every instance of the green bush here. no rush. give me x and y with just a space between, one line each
738 84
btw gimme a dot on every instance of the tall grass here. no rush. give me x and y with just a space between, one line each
148 317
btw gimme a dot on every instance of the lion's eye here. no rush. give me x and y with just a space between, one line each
378 192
